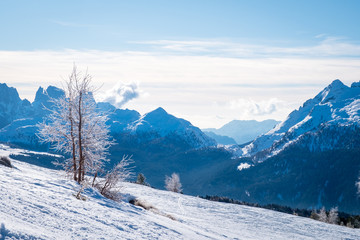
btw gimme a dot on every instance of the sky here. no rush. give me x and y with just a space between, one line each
207 61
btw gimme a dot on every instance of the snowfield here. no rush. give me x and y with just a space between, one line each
38 203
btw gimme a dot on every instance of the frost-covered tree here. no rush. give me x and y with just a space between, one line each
76 128
173 183
333 217
322 215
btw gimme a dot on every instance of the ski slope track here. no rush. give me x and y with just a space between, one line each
38 203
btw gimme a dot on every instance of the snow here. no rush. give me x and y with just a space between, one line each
38 203
163 124
7 151
243 166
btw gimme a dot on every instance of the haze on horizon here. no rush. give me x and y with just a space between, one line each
206 61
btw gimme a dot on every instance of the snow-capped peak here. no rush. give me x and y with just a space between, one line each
335 104
164 124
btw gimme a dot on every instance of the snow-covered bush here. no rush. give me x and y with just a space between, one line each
110 185
322 215
173 183
5 161
333 217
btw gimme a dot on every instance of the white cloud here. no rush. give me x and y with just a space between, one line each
189 85
327 46
121 94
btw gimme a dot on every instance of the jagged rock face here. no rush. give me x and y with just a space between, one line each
11 106
43 100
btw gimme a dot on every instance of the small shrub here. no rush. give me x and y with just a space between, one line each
141 179
5 161
314 215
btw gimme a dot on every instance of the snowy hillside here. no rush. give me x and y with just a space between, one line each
38 203
336 105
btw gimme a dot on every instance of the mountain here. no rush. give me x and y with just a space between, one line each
223 140
160 143
20 118
11 106
244 131
308 161
38 203
335 107
161 124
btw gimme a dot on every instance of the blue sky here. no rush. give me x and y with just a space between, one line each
115 25
207 61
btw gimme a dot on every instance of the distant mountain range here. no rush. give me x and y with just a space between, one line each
311 159
159 142
240 131
19 117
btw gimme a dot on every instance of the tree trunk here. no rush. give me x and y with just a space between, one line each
73 144
81 154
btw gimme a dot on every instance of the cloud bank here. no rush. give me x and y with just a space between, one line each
229 81
326 46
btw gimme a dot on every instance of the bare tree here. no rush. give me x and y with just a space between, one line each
173 183
76 128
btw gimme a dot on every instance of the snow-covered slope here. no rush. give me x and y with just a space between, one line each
336 105
38 203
